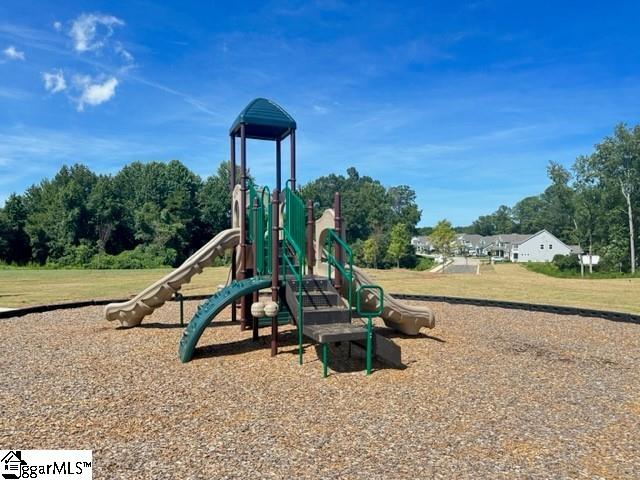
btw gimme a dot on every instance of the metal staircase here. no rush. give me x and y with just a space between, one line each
326 318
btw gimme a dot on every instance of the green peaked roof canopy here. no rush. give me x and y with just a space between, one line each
263 120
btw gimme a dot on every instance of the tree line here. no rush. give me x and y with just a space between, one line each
155 214
595 204
379 221
146 215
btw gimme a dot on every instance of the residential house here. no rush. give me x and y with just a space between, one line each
501 245
422 245
470 244
539 247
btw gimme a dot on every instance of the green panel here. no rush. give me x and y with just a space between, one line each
214 305
284 318
294 220
259 231
293 251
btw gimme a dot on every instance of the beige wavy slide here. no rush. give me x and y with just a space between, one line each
408 319
131 312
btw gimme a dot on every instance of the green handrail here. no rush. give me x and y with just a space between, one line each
369 316
289 243
332 238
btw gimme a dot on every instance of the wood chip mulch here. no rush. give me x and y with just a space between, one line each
488 393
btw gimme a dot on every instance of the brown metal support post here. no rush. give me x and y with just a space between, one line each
292 139
337 209
232 162
278 165
310 237
275 265
232 177
254 320
243 222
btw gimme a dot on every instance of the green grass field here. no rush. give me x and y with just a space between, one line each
24 287
515 283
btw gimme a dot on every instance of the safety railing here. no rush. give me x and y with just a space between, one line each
294 217
259 231
369 314
293 264
293 248
332 261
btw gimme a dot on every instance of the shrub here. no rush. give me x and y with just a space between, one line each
140 257
425 264
75 256
567 263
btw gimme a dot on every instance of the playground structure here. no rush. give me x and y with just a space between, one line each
279 246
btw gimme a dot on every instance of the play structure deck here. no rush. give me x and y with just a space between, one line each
304 264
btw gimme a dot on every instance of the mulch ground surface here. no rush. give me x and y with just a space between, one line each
488 393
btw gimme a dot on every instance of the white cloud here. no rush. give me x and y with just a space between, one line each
126 55
57 26
91 31
94 92
320 110
13 93
12 54
54 82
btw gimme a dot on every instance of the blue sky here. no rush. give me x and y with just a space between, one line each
466 102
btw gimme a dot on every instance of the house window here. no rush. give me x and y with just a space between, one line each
550 246
542 246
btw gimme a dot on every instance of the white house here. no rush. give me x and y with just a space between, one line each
470 244
501 245
422 244
539 247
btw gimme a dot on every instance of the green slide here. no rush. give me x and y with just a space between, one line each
209 309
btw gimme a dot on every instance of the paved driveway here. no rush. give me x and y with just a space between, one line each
463 265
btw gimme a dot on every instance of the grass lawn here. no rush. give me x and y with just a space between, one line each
23 287
516 283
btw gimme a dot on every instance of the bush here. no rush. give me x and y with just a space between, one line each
553 271
547 269
140 257
567 263
425 264
357 248
75 256
410 260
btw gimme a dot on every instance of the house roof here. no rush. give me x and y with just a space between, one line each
264 120
515 238
549 233
577 249
508 238
473 239
421 239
